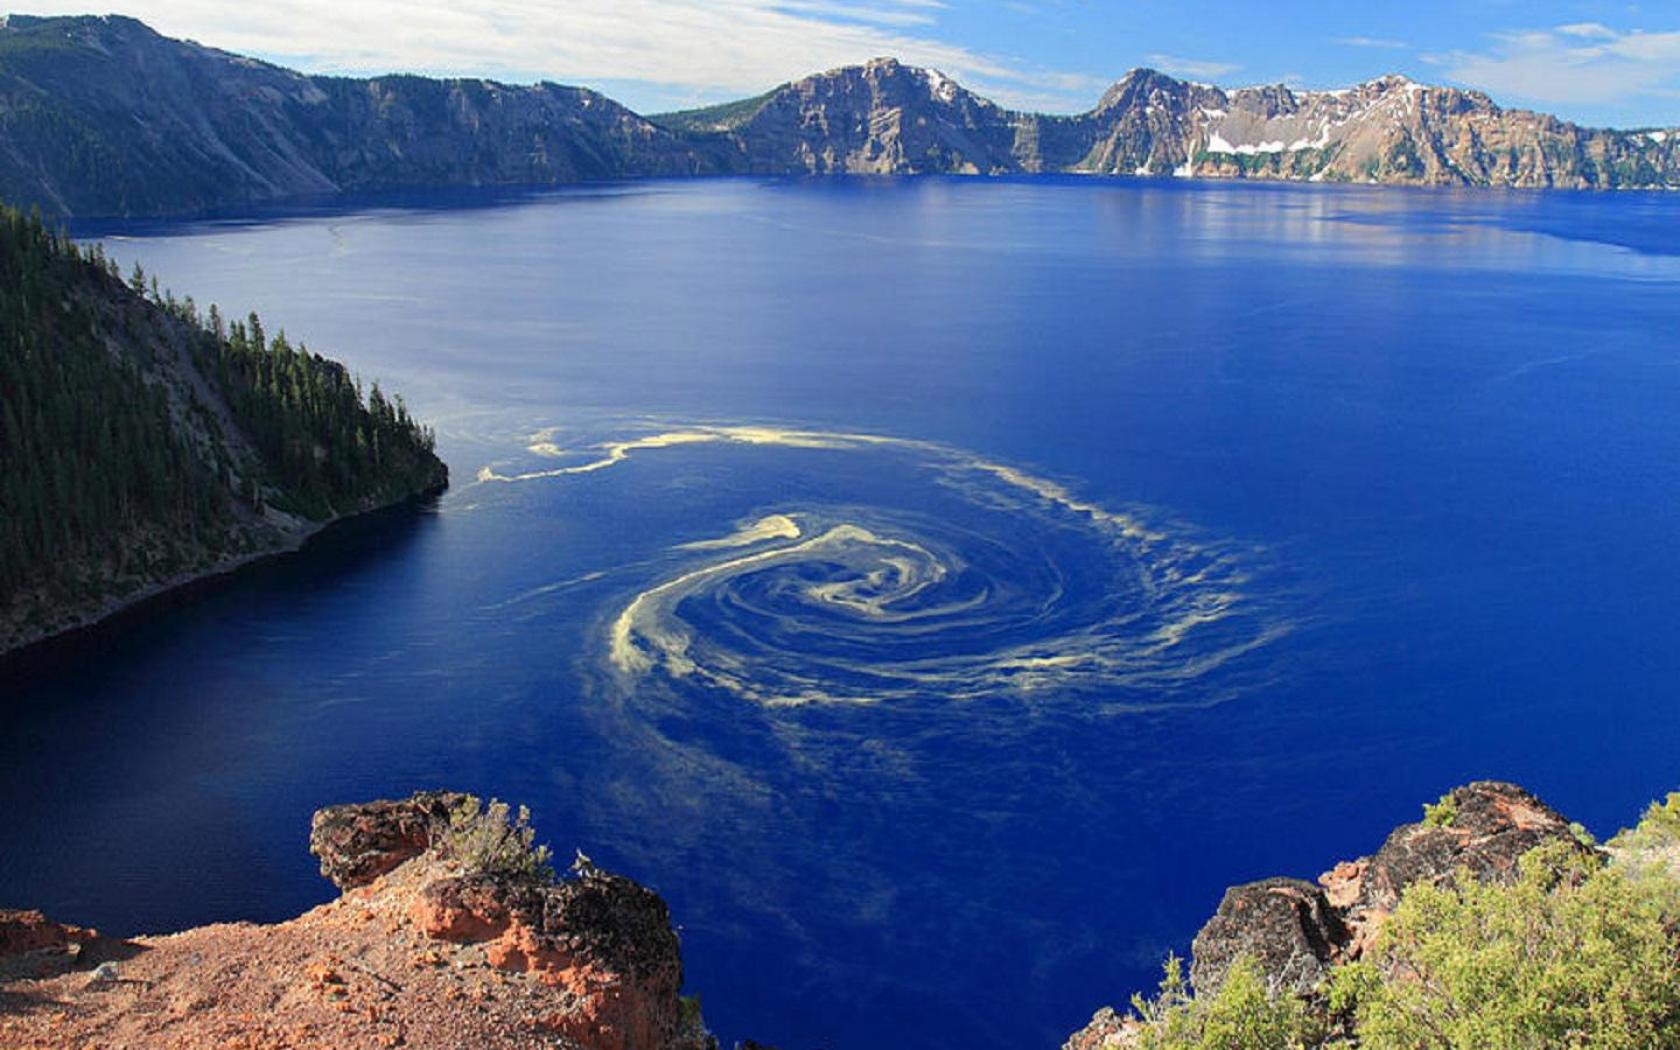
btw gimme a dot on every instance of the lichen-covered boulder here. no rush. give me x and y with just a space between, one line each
1482 828
358 843
1286 925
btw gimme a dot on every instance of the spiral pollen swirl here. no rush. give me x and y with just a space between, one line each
994 582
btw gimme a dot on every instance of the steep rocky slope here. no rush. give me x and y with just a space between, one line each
879 118
888 118
420 951
1390 130
102 116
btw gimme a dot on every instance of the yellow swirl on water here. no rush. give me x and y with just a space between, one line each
1181 611
770 527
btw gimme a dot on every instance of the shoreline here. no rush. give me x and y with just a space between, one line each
92 226
43 652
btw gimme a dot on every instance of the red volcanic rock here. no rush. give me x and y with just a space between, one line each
30 931
1344 883
31 945
1108 1030
470 908
421 956
602 942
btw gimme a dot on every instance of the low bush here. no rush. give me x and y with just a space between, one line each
494 840
1243 1014
1575 953
1581 950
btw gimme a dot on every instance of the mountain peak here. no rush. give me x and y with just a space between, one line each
940 88
122 23
1393 81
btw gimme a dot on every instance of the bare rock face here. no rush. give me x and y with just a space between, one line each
601 941
30 931
471 908
32 945
1108 1030
1287 925
358 843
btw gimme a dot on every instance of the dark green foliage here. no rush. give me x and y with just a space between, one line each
726 116
326 452
87 444
1576 953
119 467
1243 1015
1441 814
1580 949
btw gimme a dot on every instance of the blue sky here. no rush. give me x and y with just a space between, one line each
1596 62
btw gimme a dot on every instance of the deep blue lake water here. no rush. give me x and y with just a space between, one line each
939 590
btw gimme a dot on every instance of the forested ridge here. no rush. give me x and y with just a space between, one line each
142 441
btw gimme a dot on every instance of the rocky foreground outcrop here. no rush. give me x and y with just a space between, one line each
419 951
1297 930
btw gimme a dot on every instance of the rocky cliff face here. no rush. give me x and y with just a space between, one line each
883 118
887 118
417 953
104 116
1389 130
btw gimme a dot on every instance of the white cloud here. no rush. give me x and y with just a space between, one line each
1588 30
1580 64
713 48
1378 42
1191 67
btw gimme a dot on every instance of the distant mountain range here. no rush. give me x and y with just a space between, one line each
103 116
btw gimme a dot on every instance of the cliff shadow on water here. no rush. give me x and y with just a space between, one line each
329 558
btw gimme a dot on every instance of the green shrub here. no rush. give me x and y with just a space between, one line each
1442 813
691 1026
490 840
1576 953
1243 1014
1652 848
1582 835
1661 822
